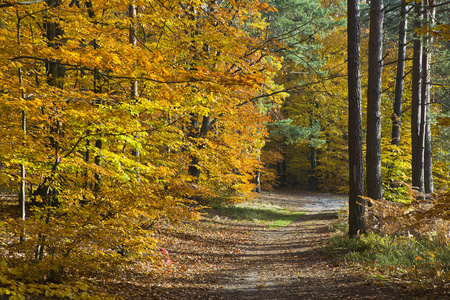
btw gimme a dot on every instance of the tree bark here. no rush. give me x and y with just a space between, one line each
398 98
132 13
373 153
417 142
428 161
22 190
356 179
53 32
426 57
258 175
55 74
98 162
194 169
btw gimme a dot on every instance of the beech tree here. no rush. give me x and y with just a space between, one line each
108 89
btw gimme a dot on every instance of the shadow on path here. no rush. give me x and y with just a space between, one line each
286 263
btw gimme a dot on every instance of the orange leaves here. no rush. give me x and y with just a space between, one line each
265 6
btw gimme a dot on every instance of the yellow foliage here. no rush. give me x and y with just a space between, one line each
103 164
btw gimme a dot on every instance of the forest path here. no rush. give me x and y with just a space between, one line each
287 263
226 258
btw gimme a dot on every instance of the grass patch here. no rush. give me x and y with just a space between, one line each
269 215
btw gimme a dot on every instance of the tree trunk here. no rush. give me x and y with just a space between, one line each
98 162
417 142
426 57
424 128
428 162
312 178
282 172
55 73
22 198
398 98
194 169
97 89
22 190
356 179
258 175
87 156
373 154
53 32
132 13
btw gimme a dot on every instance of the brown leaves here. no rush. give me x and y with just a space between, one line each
423 217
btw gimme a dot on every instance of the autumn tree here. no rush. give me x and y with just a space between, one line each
108 90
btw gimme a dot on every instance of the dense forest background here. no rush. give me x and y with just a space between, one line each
116 115
318 100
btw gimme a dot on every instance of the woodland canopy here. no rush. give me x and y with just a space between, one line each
118 115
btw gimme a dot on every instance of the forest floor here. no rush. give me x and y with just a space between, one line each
226 258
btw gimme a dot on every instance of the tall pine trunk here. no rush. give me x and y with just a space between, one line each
417 141
373 155
424 128
356 179
426 57
400 78
428 161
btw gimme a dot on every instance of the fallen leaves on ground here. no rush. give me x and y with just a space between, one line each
222 258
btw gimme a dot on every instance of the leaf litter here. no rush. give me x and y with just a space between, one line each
224 258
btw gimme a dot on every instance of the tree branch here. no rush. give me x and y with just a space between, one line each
395 61
188 80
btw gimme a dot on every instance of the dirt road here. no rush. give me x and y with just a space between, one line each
286 263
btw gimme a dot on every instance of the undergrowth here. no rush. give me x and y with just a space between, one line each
418 261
